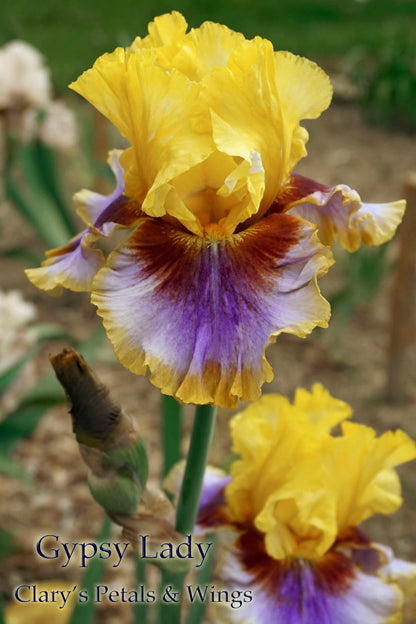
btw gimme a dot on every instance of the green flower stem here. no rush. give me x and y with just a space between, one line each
197 609
171 432
200 444
83 613
203 429
140 608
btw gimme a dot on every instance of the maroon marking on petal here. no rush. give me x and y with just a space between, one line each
213 513
361 550
254 559
205 308
332 574
173 254
123 211
335 572
353 537
296 188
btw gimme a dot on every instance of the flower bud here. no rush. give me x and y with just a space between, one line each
109 443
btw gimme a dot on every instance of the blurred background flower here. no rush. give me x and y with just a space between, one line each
33 129
16 336
55 126
24 77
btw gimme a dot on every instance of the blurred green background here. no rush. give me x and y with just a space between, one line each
73 33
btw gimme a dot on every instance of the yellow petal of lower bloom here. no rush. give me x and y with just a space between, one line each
303 488
322 409
298 519
270 436
277 484
361 473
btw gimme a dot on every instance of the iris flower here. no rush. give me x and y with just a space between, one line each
227 243
295 498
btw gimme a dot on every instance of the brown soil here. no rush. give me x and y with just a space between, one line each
350 360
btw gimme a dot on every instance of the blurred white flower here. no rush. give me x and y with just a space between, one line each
28 125
55 126
24 78
16 336
58 129
26 92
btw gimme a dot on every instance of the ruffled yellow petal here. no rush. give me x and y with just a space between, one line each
166 30
202 49
298 519
270 436
194 54
104 86
179 97
212 45
361 475
200 197
322 409
259 100
302 487
277 484
304 92
157 111
303 85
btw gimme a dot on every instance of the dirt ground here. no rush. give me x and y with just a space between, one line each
350 361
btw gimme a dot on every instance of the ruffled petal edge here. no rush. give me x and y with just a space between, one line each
339 212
